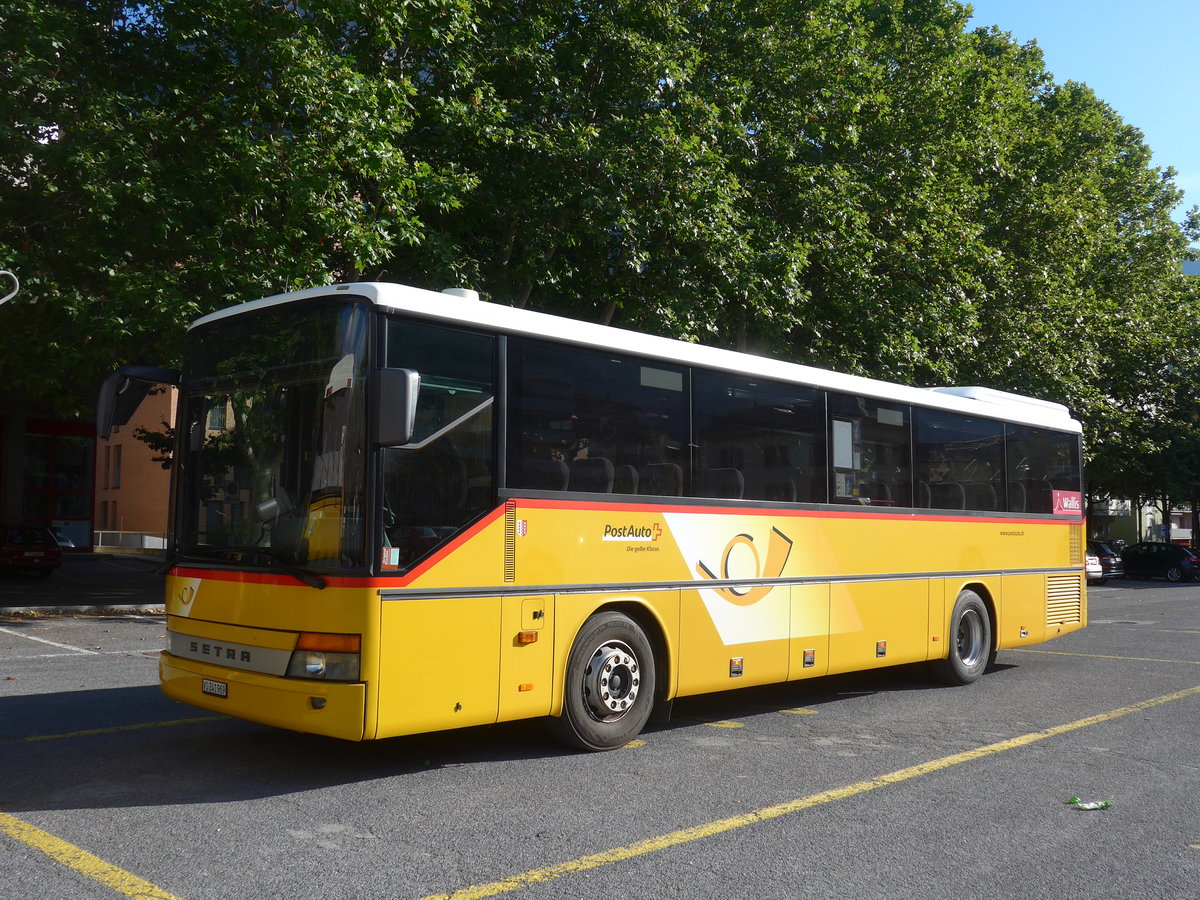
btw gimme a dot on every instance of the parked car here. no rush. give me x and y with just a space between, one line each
1152 559
1109 556
1092 568
29 548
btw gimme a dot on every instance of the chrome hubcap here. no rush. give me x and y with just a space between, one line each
969 638
612 680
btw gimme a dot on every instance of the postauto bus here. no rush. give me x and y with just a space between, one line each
398 511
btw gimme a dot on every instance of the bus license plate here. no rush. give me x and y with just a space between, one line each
214 688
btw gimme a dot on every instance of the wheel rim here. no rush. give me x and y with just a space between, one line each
612 681
1174 574
969 638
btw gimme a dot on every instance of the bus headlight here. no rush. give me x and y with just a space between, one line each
329 657
326 666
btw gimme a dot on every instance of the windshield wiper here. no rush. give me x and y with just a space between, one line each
238 554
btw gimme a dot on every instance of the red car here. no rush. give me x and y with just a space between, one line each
25 548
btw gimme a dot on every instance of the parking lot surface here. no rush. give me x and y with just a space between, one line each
87 581
877 785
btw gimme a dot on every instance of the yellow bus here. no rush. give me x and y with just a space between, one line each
399 511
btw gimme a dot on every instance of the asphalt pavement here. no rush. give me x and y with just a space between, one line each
86 581
877 784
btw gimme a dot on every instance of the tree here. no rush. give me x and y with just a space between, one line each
861 184
163 160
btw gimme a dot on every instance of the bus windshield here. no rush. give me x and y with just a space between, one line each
272 452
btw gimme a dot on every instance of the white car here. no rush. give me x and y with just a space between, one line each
1095 572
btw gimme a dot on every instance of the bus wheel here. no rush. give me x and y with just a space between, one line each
970 642
610 684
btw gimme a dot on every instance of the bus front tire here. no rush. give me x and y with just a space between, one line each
609 684
970 639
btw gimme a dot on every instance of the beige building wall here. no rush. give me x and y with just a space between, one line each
132 490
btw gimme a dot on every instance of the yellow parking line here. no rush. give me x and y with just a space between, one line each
712 723
695 833
81 861
113 729
1186 662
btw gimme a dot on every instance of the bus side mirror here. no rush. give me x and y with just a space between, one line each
395 406
124 390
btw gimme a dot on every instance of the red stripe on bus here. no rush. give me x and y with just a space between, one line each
851 513
404 580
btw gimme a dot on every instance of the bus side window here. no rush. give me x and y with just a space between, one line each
444 477
959 461
616 423
1039 462
870 451
757 439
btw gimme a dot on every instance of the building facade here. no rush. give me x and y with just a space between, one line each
132 488
47 473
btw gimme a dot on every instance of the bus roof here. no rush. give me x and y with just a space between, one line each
464 308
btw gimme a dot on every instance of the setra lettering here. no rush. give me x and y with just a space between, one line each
218 651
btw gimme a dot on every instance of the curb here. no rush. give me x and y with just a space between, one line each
155 609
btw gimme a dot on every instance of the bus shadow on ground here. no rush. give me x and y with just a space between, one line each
118 747
121 747
808 695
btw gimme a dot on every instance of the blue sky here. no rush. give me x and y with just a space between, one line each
1141 57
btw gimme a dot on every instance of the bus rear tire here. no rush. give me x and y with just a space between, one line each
609 685
970 640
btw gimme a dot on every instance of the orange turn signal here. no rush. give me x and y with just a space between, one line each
330 643
527 637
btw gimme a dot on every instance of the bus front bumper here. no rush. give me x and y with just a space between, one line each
329 708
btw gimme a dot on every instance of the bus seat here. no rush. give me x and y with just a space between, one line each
924 496
726 483
662 479
286 535
980 495
1016 496
1039 496
779 486
879 491
625 480
947 495
593 475
545 474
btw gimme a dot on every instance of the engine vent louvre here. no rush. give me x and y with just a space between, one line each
1064 599
1076 550
510 542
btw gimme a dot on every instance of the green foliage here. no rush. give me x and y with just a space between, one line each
861 184
163 160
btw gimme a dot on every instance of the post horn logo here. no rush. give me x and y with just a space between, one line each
779 548
186 596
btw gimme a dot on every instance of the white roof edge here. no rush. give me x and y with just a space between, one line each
976 401
991 395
